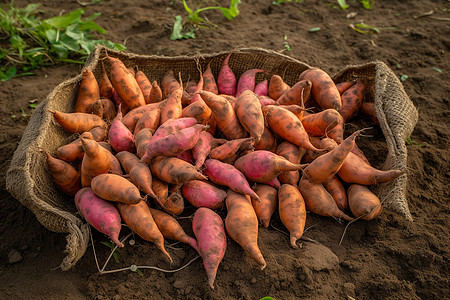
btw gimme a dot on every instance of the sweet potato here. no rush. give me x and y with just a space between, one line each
160 188
186 156
64 175
174 170
322 169
363 203
96 160
172 126
337 191
144 84
352 100
226 174
224 115
277 87
149 120
343 86
172 108
267 205
169 84
209 82
355 170
139 218
292 210
203 194
323 88
77 122
230 148
198 110
321 123
294 155
141 176
369 111
155 93
173 144
88 92
262 166
141 141
275 183
247 81
107 108
287 125
127 160
132 117
267 141
125 84
298 94
174 204
115 188
226 80
203 147
209 230
249 113
241 224
319 201
171 229
99 213
266 100
261 89
74 150
118 101
105 86
120 137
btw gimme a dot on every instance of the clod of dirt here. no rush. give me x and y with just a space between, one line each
14 257
319 257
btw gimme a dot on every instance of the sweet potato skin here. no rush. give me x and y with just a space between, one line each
292 209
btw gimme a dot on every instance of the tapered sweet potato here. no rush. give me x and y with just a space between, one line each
337 191
169 84
203 194
249 113
144 84
132 117
241 224
88 92
172 108
319 201
150 119
323 88
105 85
363 203
141 176
155 93
298 94
96 160
226 81
262 166
226 174
230 148
292 210
209 229
77 122
343 86
74 150
261 89
99 213
268 203
198 110
172 126
127 160
267 141
64 175
125 84
115 188
352 100
294 155
139 218
247 81
141 140
209 82
277 87
203 147
120 137
174 170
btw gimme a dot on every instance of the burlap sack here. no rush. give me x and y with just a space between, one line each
29 182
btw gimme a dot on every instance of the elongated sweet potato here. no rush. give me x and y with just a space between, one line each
226 81
139 218
241 225
115 188
209 82
172 109
298 94
88 92
77 122
226 174
249 113
174 170
352 100
268 203
209 229
96 160
247 81
203 194
150 119
64 175
203 147
291 207
294 155
363 203
99 213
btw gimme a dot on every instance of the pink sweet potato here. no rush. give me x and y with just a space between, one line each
203 194
226 81
101 214
203 147
247 81
209 229
120 137
226 174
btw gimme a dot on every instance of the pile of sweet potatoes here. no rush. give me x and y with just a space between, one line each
145 149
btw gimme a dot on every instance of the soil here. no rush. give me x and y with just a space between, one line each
386 258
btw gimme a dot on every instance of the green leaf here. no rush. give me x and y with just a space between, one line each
91 26
51 35
60 50
61 22
437 70
8 74
233 11
365 26
73 32
189 11
343 4
18 43
403 77
177 28
315 29
367 4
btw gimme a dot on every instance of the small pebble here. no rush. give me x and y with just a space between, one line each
14 257
178 284
253 280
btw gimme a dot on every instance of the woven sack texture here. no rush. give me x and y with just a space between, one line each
29 181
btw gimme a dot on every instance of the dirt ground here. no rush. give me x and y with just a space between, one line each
386 258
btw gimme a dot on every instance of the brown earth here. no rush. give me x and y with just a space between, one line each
386 258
